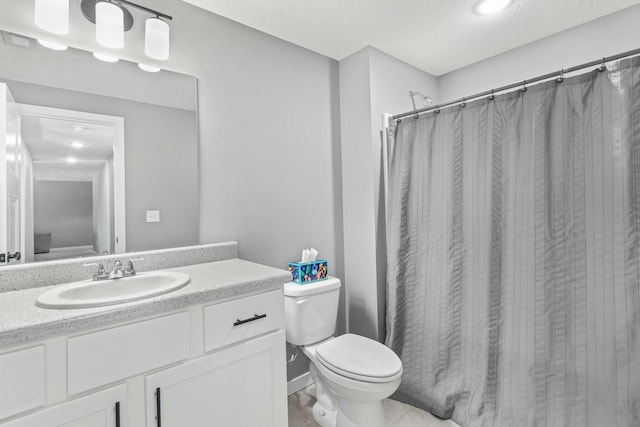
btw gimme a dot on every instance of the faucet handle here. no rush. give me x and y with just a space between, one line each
100 273
130 269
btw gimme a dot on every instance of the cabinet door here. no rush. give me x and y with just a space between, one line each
240 386
103 409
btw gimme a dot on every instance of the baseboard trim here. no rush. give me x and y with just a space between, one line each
298 383
71 248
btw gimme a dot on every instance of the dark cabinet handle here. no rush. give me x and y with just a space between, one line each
15 255
158 416
117 414
251 319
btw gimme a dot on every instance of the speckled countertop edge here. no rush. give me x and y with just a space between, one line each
21 321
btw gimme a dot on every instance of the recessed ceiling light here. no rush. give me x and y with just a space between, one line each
149 68
77 144
71 160
105 58
52 45
487 7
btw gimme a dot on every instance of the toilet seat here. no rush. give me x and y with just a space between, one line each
359 358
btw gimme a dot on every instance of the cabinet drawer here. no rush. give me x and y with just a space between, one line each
23 385
241 319
114 354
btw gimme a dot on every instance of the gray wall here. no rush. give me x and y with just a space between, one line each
64 209
161 162
269 144
371 83
610 35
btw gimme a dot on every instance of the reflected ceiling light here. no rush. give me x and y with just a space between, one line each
71 160
105 58
52 45
109 25
149 68
52 15
78 128
77 144
487 7
156 38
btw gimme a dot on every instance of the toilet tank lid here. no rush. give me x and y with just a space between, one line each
292 289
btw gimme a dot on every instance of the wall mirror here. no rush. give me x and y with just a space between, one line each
104 155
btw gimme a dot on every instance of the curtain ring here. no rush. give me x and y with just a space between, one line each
492 96
437 110
603 66
560 78
463 104
524 86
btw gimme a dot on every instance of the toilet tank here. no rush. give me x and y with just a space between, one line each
311 310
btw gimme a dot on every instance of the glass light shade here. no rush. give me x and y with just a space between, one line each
487 7
52 15
156 38
105 58
109 25
149 68
52 45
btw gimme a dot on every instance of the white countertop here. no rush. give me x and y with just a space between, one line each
22 321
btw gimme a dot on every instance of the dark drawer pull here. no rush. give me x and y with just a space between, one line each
117 414
158 409
251 319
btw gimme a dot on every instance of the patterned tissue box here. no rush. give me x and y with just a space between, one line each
307 272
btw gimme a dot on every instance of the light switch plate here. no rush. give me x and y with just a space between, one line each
153 216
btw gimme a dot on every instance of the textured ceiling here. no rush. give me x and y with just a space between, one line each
436 36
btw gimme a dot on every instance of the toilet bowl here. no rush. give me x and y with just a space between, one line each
352 374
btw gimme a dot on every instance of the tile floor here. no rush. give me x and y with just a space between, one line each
397 414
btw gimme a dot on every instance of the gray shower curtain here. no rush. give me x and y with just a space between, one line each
513 255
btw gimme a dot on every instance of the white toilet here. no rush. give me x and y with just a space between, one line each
352 374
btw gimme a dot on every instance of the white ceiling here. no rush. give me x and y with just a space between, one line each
436 36
49 143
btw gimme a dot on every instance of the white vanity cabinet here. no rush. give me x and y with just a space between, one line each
239 386
101 409
220 363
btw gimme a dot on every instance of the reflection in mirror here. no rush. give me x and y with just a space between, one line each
70 208
73 110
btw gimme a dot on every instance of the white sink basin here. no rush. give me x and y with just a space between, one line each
90 293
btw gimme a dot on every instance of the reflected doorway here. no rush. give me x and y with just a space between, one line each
73 183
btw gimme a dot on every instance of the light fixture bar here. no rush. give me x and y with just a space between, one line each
146 9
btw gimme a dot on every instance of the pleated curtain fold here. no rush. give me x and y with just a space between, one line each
513 229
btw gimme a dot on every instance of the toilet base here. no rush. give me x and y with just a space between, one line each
324 410
332 411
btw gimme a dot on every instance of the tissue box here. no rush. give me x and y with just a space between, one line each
307 272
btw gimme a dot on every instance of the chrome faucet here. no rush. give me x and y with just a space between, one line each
118 270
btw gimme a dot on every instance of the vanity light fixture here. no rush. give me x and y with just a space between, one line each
156 38
52 15
113 19
104 57
52 45
109 25
488 7
149 68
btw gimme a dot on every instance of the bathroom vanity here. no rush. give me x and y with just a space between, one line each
209 353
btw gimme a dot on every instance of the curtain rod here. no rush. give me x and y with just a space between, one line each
518 84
